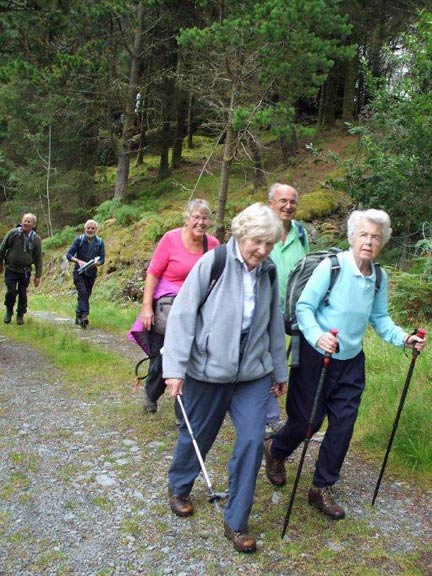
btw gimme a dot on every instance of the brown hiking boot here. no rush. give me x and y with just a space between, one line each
242 541
275 467
322 498
180 505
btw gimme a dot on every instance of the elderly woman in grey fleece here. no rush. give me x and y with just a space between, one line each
225 356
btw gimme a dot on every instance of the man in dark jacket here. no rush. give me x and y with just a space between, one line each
20 249
84 249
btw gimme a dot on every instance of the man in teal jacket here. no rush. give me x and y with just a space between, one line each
20 249
283 200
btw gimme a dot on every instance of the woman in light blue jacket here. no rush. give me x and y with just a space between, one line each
225 356
353 303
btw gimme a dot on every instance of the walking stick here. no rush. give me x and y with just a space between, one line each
213 496
421 333
326 362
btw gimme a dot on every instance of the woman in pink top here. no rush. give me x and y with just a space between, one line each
173 259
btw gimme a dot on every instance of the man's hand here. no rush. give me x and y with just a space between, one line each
36 281
279 389
175 386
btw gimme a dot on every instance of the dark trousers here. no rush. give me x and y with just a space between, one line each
84 285
206 405
155 384
16 284
340 400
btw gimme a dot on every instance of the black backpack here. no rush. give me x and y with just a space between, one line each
297 280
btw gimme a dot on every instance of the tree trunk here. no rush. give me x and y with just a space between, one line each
288 144
349 94
164 157
259 179
143 130
329 103
226 168
129 115
191 101
182 110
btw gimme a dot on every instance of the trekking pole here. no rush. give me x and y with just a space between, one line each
326 362
421 333
213 496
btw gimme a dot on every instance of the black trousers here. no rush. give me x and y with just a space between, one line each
16 285
155 384
340 400
84 285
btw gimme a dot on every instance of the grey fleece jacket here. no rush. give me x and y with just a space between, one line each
205 343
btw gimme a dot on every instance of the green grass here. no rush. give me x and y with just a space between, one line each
386 372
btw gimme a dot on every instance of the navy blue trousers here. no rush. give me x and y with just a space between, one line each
206 405
16 284
340 401
84 285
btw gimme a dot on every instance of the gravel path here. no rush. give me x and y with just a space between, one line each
80 497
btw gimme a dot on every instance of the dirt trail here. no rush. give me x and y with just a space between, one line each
79 497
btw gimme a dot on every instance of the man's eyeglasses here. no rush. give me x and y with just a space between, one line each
285 201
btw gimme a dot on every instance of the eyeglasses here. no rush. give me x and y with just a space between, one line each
374 238
285 201
197 218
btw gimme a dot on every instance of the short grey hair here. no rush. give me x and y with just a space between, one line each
91 221
30 215
257 221
196 204
275 186
377 216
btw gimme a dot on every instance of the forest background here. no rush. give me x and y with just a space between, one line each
124 110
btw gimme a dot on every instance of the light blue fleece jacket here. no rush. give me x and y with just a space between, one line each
205 342
353 304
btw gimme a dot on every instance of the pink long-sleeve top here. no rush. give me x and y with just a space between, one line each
172 262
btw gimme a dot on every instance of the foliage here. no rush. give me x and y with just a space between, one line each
394 170
60 239
124 214
411 297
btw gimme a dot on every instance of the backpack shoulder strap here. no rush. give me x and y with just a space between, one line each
81 240
334 273
272 275
218 266
205 243
301 233
378 276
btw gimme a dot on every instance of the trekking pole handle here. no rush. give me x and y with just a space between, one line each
421 333
327 355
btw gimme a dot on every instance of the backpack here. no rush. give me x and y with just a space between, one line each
297 281
301 233
218 266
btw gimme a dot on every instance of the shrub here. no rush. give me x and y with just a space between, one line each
124 214
60 239
411 297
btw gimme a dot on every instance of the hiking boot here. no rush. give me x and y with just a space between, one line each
150 407
242 540
20 320
180 505
275 467
322 498
8 317
84 321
